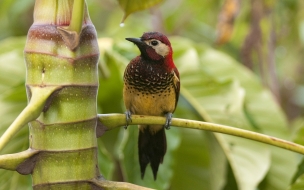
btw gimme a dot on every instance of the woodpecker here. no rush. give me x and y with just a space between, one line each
151 87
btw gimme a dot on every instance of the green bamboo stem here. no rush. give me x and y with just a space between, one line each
116 120
30 112
64 133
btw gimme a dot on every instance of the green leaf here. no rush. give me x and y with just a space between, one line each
191 162
11 63
299 183
298 125
298 178
105 161
221 101
199 160
262 113
130 6
110 87
12 101
299 172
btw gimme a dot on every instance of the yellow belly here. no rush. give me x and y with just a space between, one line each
156 104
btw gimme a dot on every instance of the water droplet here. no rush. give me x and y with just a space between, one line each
122 24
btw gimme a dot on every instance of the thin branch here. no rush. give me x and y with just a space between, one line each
113 185
13 161
32 111
116 120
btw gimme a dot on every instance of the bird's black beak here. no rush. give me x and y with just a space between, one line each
136 41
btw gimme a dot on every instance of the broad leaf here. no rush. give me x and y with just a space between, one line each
105 161
299 184
298 178
130 6
196 163
12 100
221 101
262 112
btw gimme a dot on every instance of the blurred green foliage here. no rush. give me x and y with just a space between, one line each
216 87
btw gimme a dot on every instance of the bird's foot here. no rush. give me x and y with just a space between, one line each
128 118
168 120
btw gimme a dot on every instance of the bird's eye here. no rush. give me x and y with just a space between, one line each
154 43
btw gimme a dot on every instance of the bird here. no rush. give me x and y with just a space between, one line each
151 87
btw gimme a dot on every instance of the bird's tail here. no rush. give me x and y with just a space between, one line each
152 147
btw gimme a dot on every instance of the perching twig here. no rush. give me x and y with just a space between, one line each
116 120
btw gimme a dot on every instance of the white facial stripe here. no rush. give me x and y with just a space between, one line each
161 48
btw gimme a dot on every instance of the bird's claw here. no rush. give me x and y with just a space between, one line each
168 120
128 119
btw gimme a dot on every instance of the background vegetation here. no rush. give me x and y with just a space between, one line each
241 64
